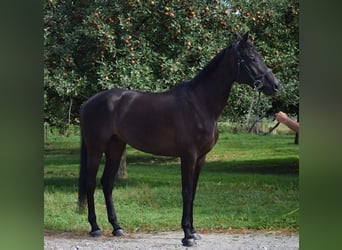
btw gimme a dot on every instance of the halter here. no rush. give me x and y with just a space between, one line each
257 86
257 80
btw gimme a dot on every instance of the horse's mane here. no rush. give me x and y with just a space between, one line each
208 68
212 65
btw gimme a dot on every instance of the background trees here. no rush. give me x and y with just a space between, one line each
92 45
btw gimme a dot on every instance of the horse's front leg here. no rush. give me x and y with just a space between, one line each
198 167
188 164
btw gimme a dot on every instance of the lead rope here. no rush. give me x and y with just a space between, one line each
250 110
257 119
271 129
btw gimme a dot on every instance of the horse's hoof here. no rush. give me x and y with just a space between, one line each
188 242
96 233
118 232
196 236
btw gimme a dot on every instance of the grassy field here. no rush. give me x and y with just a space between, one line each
248 182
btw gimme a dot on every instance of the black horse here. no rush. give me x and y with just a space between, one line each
181 122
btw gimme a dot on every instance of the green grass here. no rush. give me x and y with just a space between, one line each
248 182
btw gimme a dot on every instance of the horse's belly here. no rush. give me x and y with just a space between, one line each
153 140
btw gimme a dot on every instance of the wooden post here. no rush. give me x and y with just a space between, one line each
296 140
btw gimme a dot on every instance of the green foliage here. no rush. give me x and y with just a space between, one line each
91 45
248 181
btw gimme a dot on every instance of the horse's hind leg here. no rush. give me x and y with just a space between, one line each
113 154
93 161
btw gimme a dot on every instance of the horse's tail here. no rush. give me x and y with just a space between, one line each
82 181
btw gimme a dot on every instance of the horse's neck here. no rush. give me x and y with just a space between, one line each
213 85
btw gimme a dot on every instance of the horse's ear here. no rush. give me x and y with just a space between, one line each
245 36
243 40
238 37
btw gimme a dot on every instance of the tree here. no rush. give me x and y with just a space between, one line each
92 45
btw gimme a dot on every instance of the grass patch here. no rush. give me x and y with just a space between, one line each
248 182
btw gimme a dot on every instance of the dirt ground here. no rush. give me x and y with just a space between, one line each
172 240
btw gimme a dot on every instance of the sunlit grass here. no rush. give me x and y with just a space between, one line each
248 181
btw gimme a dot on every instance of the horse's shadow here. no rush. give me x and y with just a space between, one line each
69 181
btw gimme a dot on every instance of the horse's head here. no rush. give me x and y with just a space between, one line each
252 70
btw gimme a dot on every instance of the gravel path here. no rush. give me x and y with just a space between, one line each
172 240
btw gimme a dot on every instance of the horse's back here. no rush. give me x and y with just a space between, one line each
99 98
116 109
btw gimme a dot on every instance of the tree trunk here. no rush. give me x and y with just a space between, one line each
69 112
122 172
